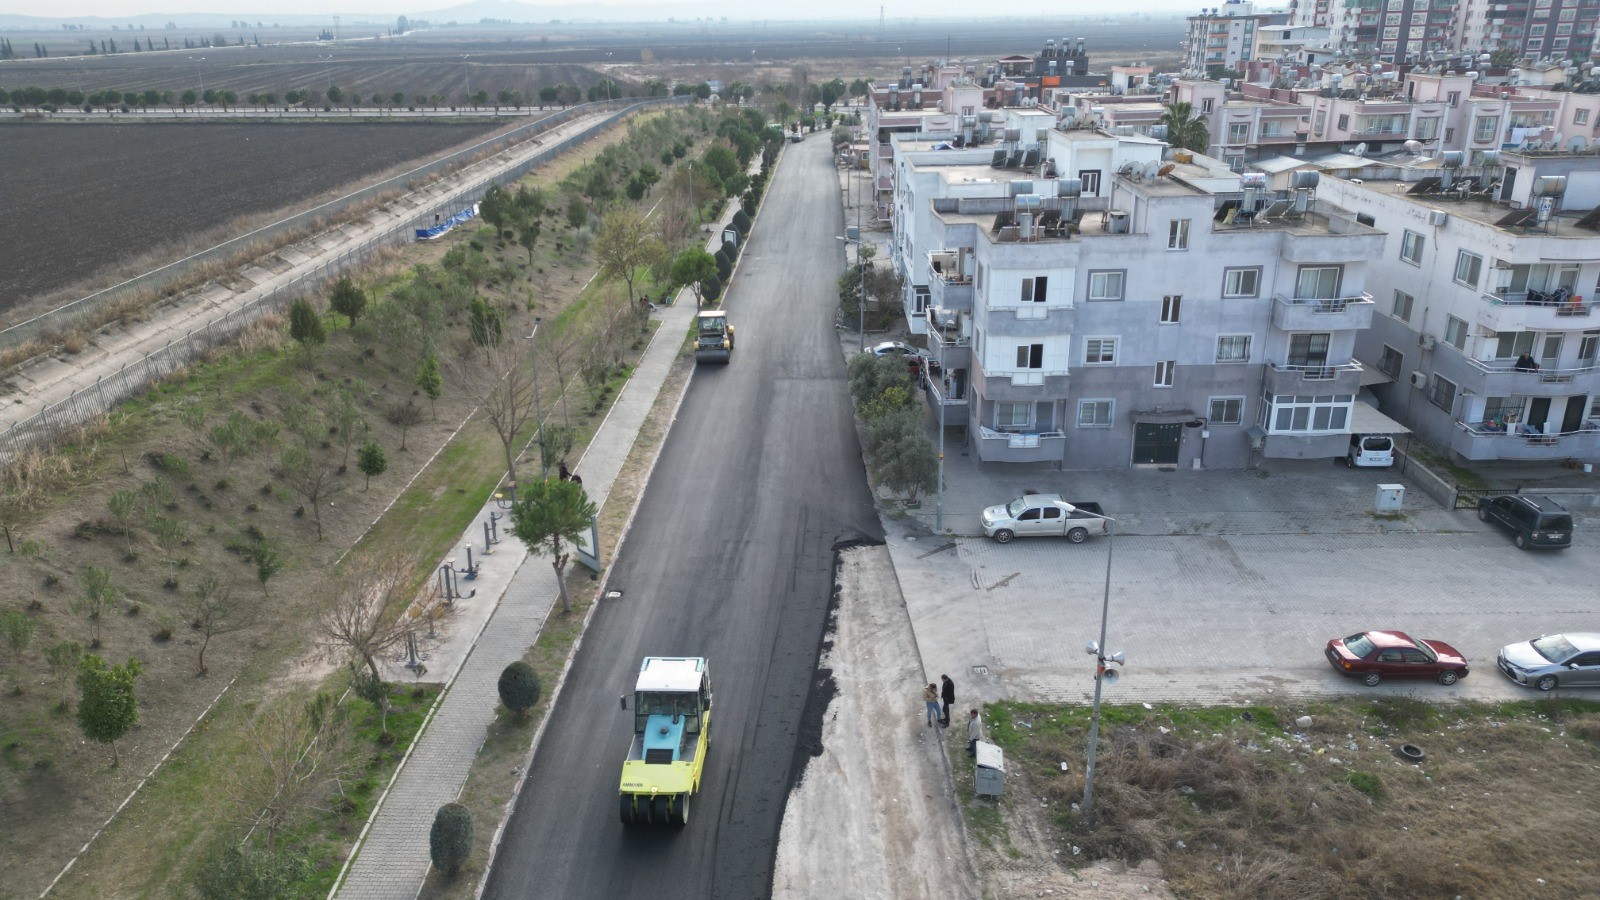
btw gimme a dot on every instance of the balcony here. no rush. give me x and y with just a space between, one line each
1304 246
1018 447
1484 440
942 391
951 293
949 348
1340 313
1501 379
1332 378
1276 137
1535 311
1028 385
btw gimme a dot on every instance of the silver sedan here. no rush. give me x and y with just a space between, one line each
1555 660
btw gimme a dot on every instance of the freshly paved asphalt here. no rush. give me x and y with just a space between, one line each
730 557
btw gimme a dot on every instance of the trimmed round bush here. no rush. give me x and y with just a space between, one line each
450 839
519 688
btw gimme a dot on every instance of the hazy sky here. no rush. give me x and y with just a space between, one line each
783 9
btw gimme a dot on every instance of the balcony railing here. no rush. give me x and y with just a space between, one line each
998 446
1315 372
1490 440
1302 313
1535 311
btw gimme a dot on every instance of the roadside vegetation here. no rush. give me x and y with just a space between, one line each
900 455
221 529
1261 802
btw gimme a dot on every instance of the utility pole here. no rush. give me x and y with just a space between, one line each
538 415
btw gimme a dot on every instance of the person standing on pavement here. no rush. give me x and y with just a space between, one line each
974 733
930 702
947 693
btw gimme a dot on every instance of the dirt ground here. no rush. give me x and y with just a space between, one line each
875 816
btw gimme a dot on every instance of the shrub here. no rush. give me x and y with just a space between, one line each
741 221
450 840
519 688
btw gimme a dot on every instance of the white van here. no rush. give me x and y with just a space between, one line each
1370 451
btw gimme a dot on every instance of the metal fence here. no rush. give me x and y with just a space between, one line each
71 315
59 421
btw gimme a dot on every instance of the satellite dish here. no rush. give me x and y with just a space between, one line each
1556 139
1126 169
1165 170
1577 143
1151 170
1361 150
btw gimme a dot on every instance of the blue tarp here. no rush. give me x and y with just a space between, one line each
428 234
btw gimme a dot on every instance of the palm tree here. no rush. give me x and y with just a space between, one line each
1185 130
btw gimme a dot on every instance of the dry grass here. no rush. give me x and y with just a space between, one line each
1231 806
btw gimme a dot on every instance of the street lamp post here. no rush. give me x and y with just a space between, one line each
467 73
200 76
938 508
861 301
538 415
1097 649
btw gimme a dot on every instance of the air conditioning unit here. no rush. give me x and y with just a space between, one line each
1419 380
1437 217
1426 342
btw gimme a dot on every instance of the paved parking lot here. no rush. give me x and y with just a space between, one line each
1225 585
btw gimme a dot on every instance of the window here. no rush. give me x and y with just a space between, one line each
1030 356
1304 412
1344 122
1427 129
1013 415
1091 182
1309 350
1411 247
1589 348
1322 119
1484 128
1233 348
1033 289
1501 409
1317 283
1241 283
1099 351
1455 332
1238 132
1454 100
1106 285
1442 393
1403 303
1205 106
1468 267
1094 413
1536 31
1236 163
1171 304
1164 372
1580 117
1512 344
1178 234
1449 135
1225 410
1391 361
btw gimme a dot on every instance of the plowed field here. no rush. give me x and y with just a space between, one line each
80 200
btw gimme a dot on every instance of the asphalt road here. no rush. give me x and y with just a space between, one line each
730 557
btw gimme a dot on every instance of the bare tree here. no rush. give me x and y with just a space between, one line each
297 757
365 619
562 351
314 477
214 611
503 390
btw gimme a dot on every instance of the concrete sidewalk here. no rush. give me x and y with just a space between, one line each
515 594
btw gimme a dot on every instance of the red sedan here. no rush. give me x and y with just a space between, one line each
1373 656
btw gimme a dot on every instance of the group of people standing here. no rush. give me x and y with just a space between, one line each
937 698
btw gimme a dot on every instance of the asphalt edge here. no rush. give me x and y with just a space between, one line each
572 654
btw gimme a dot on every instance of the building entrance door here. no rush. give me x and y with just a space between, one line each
1156 444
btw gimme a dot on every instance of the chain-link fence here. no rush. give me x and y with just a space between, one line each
59 421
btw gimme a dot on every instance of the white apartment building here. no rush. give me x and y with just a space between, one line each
1486 260
1224 37
1113 308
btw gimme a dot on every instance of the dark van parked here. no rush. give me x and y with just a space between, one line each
1532 521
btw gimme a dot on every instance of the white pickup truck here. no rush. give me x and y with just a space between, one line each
1044 514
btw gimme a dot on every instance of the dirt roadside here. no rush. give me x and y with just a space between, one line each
876 815
873 816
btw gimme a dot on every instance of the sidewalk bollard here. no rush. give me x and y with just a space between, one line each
471 571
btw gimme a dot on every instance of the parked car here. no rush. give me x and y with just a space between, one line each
1373 656
1532 521
1370 451
1552 661
1044 514
898 348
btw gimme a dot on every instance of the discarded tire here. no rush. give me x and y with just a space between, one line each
1411 753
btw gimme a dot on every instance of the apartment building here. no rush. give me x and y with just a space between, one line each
1487 318
1393 31
1536 29
1135 311
1224 37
